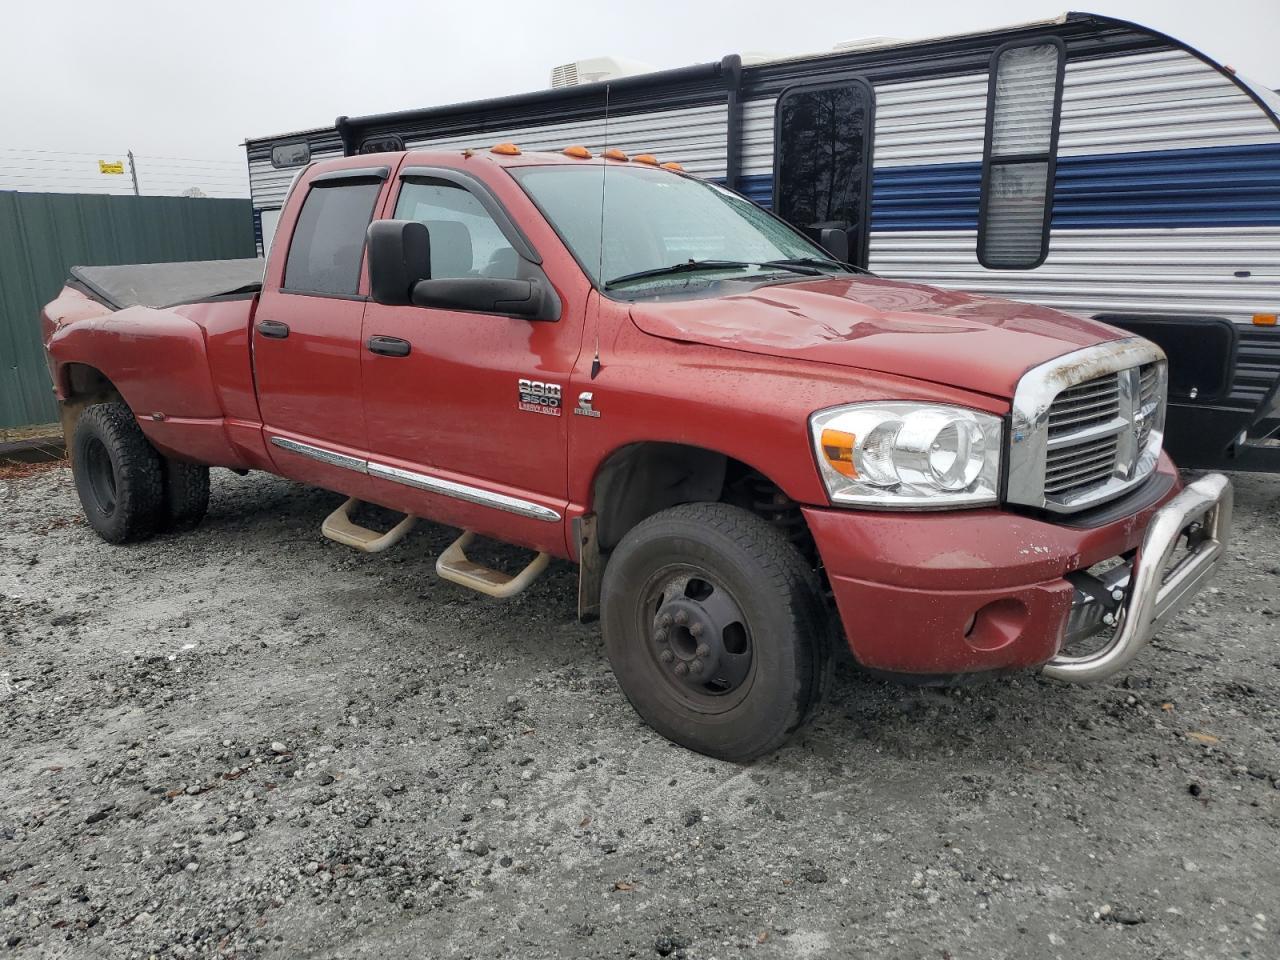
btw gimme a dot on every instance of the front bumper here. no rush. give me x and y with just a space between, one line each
1155 590
934 594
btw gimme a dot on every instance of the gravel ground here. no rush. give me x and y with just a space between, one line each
250 741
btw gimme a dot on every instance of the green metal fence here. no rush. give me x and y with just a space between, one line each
42 235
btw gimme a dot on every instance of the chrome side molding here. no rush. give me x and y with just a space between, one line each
330 457
463 491
422 481
1154 595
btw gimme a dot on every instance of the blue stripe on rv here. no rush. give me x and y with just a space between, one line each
1197 187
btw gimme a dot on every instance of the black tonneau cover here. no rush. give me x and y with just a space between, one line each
169 284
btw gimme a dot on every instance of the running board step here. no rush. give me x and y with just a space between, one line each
454 566
339 527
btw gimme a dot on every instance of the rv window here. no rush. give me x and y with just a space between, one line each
290 154
1024 104
465 240
328 239
822 156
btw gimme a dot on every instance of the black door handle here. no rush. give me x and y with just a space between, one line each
388 346
273 329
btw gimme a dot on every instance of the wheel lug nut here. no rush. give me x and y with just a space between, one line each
682 668
682 617
704 651
666 656
661 635
696 666
664 620
697 629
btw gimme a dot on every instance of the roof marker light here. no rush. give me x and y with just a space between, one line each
648 158
578 151
672 165
506 150
613 153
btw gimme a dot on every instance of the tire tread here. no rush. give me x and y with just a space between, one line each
793 583
140 482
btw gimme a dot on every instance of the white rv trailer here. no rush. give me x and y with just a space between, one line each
1085 163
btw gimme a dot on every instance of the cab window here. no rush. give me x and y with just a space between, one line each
465 240
328 240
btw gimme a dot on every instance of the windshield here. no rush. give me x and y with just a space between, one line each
654 220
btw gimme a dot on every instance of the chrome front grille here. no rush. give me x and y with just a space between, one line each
1081 415
1088 403
1080 466
1088 426
1151 398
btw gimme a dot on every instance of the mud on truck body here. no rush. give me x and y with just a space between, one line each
747 446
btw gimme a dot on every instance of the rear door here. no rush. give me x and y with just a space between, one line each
306 338
822 160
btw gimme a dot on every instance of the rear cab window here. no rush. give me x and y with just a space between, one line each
327 246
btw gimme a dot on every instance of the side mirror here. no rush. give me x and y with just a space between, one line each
399 258
517 298
835 241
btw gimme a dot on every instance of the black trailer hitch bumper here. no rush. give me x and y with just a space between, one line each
1140 596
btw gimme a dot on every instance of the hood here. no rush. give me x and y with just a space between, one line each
910 330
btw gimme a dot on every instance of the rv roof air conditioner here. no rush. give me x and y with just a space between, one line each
596 69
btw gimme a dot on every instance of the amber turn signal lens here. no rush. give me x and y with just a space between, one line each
837 447
648 158
614 153
1264 319
672 165
579 151
506 150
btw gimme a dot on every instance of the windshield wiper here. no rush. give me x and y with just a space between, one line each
687 266
814 262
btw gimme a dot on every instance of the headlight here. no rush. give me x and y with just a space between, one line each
903 456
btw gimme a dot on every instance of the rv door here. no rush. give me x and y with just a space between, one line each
822 160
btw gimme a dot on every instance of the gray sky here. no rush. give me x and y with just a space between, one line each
183 84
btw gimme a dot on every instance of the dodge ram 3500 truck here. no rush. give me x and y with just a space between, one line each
742 443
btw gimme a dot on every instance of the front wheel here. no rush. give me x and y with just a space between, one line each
716 629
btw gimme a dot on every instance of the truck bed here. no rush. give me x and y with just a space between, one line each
169 284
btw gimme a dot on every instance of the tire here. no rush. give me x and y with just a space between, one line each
186 494
714 583
118 474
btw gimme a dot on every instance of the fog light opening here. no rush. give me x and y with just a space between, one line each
997 625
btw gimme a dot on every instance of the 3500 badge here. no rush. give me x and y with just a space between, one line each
539 397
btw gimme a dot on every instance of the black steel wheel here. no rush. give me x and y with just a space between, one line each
117 474
698 636
716 629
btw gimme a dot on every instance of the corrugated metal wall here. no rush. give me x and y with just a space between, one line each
42 235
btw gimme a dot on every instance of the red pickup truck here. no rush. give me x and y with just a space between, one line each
743 443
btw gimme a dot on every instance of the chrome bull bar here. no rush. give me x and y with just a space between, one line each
1153 593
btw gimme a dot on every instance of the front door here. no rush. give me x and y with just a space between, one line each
822 160
464 410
